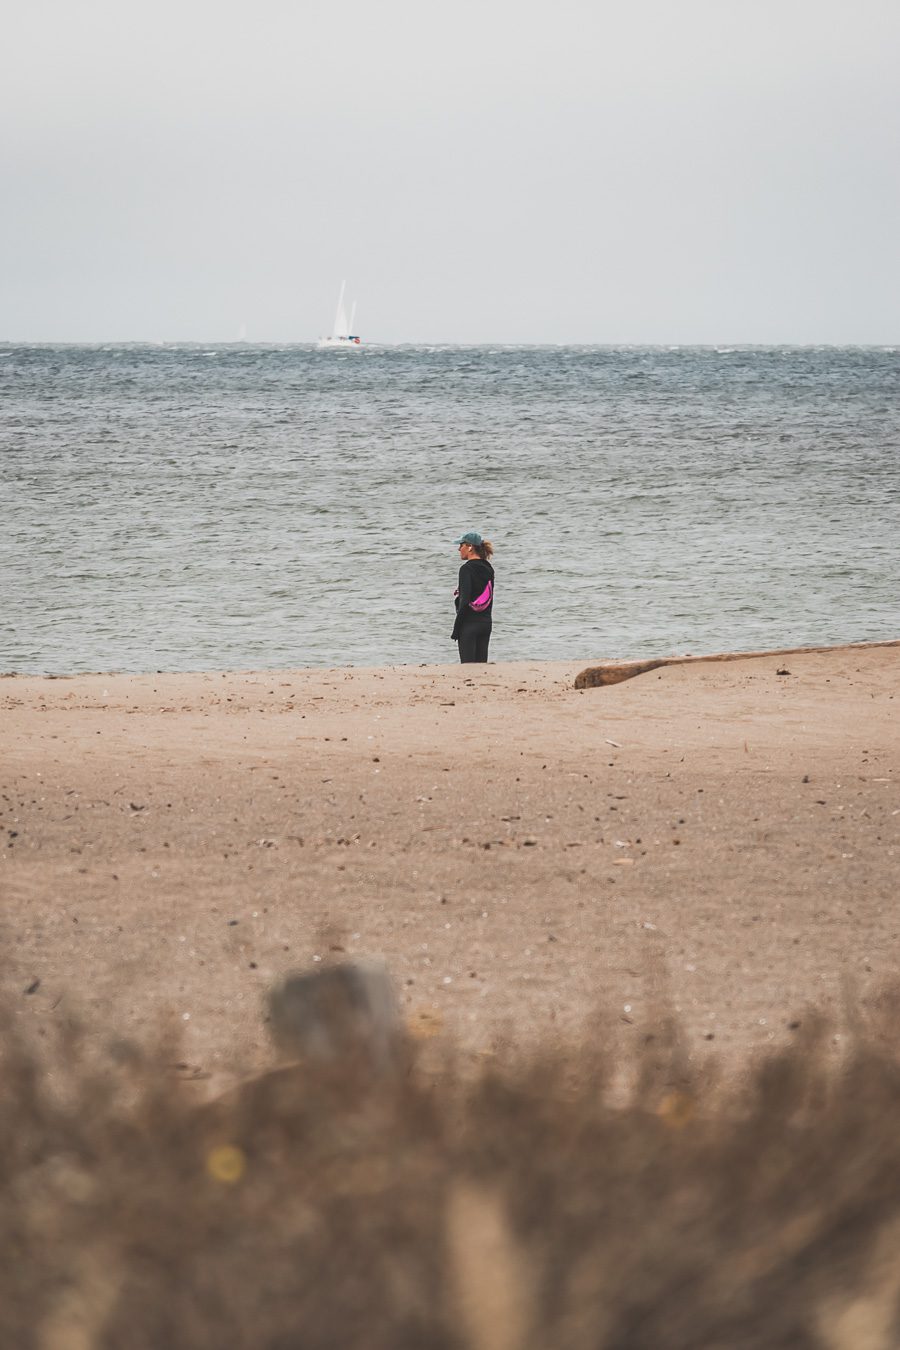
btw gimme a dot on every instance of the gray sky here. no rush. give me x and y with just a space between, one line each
570 171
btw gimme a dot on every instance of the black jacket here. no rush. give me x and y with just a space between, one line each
474 575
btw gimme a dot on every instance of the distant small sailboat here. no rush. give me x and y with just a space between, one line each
343 335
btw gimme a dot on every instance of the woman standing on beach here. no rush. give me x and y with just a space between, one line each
474 597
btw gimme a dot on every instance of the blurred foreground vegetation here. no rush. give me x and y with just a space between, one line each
548 1203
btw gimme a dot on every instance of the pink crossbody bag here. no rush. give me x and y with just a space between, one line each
483 600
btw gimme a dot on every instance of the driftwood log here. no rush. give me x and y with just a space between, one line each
614 672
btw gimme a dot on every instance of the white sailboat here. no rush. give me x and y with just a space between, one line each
342 335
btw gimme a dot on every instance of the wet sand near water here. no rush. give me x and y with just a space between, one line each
722 839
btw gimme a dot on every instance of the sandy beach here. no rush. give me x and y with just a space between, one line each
720 838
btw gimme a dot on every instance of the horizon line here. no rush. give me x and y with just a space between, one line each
722 344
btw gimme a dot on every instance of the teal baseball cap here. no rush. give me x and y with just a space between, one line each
472 537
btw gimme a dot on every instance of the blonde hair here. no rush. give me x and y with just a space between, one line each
484 549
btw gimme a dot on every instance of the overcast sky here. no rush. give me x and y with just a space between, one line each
660 171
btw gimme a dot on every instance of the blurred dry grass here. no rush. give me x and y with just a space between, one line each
333 1205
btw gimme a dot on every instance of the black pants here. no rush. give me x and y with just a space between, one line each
473 642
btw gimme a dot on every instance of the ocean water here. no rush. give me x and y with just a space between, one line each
190 507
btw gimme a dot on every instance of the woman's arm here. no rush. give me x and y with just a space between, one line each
465 595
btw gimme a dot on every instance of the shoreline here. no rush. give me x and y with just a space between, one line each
606 670
716 837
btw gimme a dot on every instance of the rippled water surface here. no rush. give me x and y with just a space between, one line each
188 508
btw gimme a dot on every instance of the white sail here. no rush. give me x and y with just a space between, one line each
341 328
